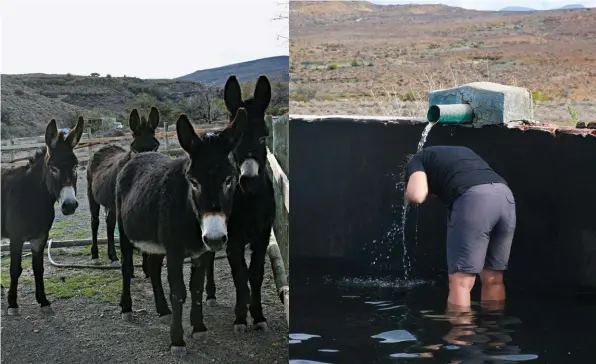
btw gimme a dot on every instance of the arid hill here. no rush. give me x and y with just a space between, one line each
30 101
361 52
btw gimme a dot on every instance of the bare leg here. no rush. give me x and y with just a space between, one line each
460 285
493 289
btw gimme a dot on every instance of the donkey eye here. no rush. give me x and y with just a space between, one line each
194 184
262 140
229 181
55 171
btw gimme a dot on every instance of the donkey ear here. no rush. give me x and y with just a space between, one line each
74 136
153 118
232 95
51 134
233 132
134 121
262 94
188 139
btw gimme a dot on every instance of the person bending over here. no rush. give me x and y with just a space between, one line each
481 218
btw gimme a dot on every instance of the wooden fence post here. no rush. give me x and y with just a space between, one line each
89 150
165 125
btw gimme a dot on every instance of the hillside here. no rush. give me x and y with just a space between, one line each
276 68
30 101
362 52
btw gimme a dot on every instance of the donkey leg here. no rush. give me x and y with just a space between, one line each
197 282
37 247
16 249
127 267
146 268
177 299
210 287
110 227
256 272
240 276
155 263
94 208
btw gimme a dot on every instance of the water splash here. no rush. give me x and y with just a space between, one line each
424 135
406 259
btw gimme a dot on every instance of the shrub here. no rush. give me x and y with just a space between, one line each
538 96
332 66
95 74
19 92
355 63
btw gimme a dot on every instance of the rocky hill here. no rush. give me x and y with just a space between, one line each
362 52
276 68
30 101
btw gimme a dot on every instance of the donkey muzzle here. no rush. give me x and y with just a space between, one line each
214 231
68 200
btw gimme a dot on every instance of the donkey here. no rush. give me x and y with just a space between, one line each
28 196
102 170
178 208
253 211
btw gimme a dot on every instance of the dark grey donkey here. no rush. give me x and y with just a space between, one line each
102 171
178 208
253 211
28 196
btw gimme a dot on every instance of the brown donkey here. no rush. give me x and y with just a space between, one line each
28 196
102 171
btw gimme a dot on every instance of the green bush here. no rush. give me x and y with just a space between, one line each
538 96
332 66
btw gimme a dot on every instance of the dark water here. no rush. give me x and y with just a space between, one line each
343 313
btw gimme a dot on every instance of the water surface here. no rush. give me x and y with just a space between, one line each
342 319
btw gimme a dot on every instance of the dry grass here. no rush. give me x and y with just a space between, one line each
385 60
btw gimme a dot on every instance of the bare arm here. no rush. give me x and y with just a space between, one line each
417 188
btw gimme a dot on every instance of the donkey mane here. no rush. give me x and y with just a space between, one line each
33 163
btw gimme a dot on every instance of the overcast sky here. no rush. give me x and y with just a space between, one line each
142 38
496 5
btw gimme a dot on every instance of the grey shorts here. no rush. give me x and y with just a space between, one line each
480 229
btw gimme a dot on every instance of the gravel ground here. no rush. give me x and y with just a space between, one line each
87 327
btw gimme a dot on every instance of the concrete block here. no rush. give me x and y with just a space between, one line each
492 103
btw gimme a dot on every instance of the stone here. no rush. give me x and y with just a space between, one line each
492 103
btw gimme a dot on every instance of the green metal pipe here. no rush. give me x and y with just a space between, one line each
450 114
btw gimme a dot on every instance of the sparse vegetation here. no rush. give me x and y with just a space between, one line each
110 99
548 52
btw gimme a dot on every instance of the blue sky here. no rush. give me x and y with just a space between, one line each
142 38
496 5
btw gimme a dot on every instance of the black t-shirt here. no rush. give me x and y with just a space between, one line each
451 170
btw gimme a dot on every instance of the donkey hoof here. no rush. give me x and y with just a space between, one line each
211 302
261 326
115 263
166 319
47 310
95 261
239 329
199 335
14 311
127 316
179 351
